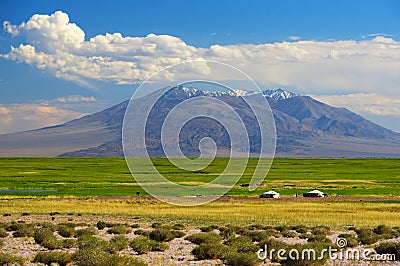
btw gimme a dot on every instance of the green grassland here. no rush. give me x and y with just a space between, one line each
88 186
85 177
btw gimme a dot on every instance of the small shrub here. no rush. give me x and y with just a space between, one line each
52 243
52 227
118 230
241 259
389 248
24 230
304 236
210 251
91 242
301 229
165 235
3 233
320 239
320 230
206 229
13 226
8 259
68 243
134 226
116 260
141 232
156 225
382 229
260 235
289 233
87 231
204 238
49 257
227 232
101 225
143 245
117 243
255 227
178 226
42 234
66 231
351 240
281 228
241 244
366 236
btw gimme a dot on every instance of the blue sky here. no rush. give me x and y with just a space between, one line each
345 53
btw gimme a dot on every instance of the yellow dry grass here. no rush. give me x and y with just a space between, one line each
331 213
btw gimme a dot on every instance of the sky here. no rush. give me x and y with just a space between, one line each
60 60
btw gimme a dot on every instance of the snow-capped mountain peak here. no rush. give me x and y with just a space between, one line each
279 94
192 92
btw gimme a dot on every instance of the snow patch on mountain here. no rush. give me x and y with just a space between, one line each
277 94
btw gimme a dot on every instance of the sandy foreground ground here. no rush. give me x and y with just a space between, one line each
178 253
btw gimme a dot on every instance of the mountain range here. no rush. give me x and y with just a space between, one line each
305 128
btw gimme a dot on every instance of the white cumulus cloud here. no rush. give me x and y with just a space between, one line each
365 103
56 44
20 117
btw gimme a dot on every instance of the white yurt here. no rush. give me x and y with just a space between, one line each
270 194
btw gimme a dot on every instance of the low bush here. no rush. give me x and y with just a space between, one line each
101 225
178 226
12 226
165 235
117 243
206 229
301 229
204 238
241 244
210 251
119 230
289 233
52 227
141 232
42 234
255 227
351 240
143 245
382 229
319 238
56 257
68 243
260 235
366 236
87 231
3 233
281 228
24 230
320 230
66 231
156 225
389 248
241 259
91 242
8 259
227 232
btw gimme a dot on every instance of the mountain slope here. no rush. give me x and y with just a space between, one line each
305 127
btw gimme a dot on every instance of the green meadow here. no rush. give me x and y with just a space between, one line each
369 190
87 177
